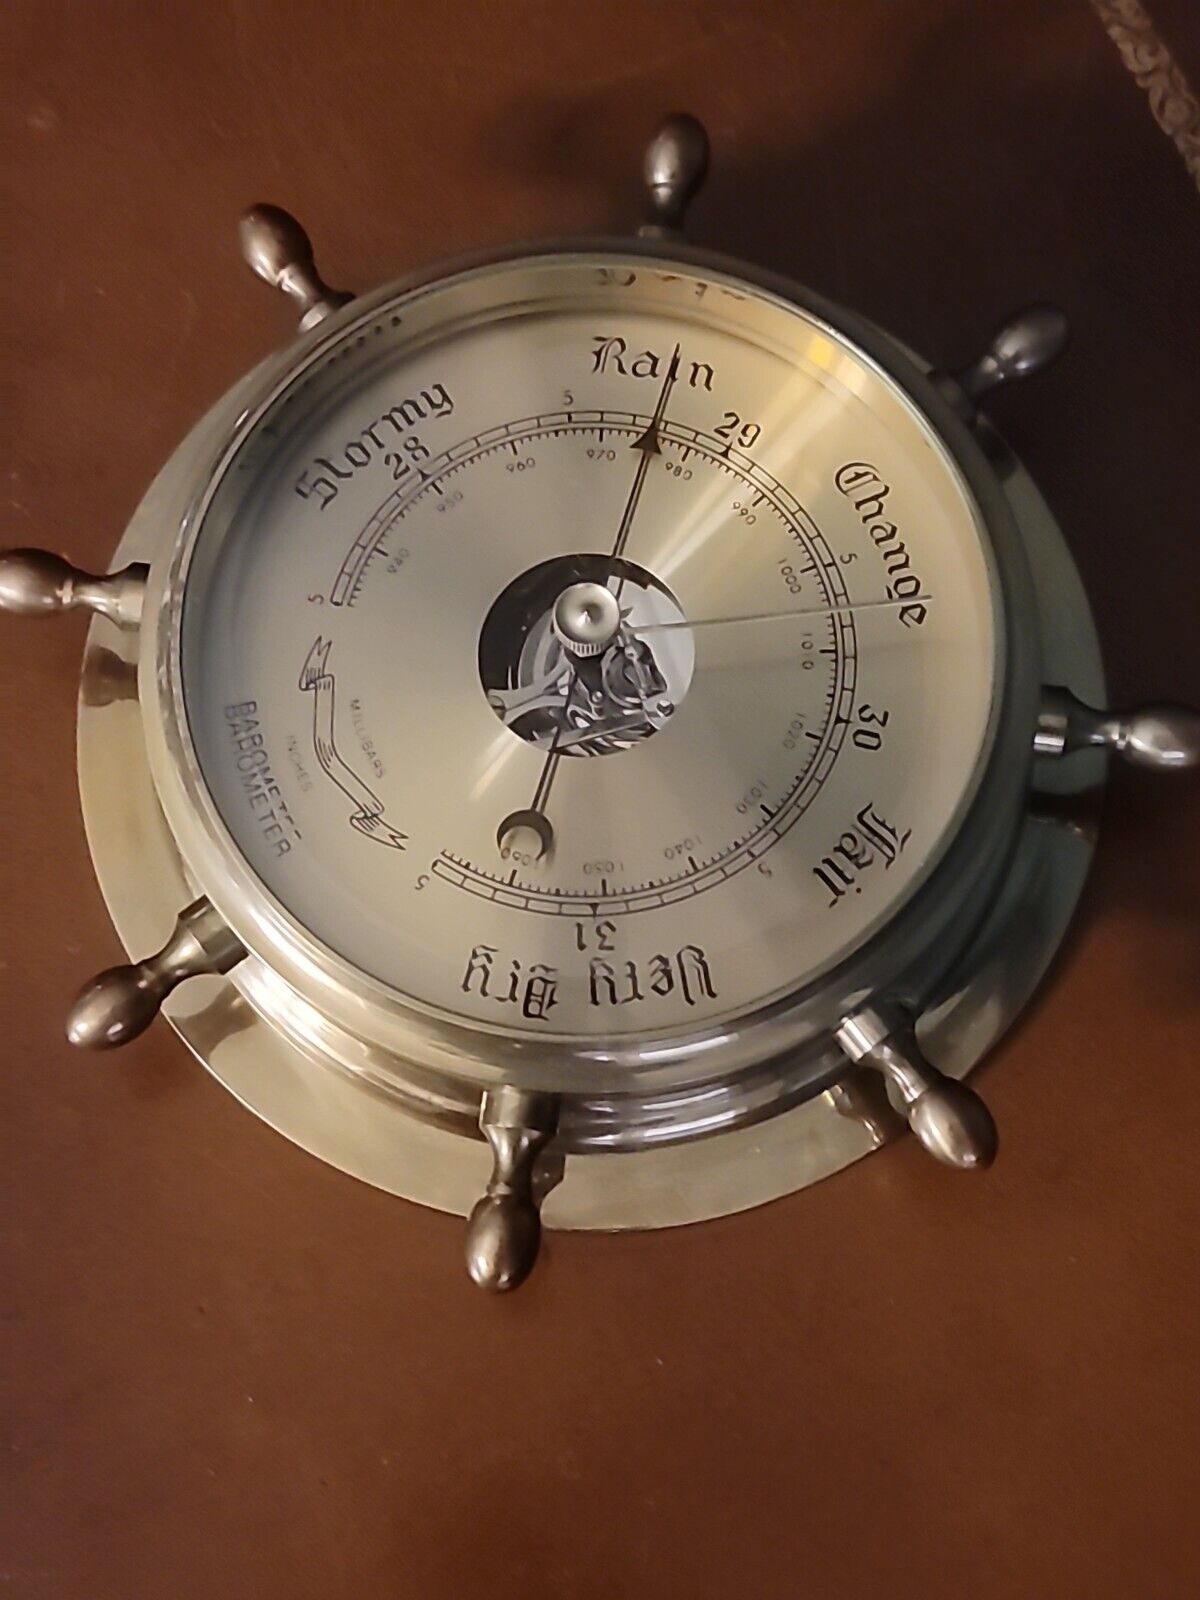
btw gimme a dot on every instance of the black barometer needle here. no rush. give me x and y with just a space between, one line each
533 818
647 445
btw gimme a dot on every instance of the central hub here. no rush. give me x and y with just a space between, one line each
586 618
585 655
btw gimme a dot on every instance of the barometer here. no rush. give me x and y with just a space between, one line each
592 733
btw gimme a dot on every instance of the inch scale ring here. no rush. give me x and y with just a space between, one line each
610 719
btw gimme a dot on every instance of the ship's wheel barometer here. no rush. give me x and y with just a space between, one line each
589 733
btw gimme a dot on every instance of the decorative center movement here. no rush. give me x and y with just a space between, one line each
565 665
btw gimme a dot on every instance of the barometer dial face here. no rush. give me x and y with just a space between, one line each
584 648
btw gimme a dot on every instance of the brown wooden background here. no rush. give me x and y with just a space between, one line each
231 1371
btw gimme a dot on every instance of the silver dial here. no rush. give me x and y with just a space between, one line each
583 648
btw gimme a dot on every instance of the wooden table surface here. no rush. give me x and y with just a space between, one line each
232 1371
